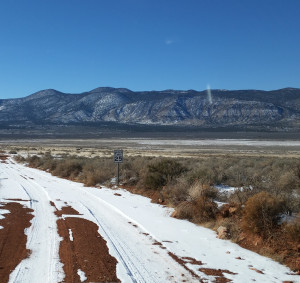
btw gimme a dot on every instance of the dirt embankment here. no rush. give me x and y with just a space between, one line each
12 238
83 249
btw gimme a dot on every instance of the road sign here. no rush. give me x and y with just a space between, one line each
118 156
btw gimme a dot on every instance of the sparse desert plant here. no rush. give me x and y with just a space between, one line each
34 161
241 195
198 211
292 229
96 172
161 172
177 191
262 213
69 168
198 189
19 158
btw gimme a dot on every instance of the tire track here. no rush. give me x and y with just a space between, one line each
131 269
136 269
43 239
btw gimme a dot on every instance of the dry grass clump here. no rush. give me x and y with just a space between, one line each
200 206
198 211
96 172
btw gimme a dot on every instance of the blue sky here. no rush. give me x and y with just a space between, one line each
78 45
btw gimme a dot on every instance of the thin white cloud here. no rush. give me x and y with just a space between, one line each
169 41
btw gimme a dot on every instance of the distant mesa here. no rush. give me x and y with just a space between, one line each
277 110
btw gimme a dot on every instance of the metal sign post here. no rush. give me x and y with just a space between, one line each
118 158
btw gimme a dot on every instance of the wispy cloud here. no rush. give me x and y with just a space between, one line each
169 41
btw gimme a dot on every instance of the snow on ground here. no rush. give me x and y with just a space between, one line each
130 224
219 142
71 235
3 212
226 189
81 275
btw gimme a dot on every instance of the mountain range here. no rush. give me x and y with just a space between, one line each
277 110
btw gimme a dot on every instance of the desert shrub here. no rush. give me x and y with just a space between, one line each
49 164
176 191
292 229
206 210
198 211
161 172
34 161
230 209
94 178
261 214
19 158
69 168
202 175
233 227
241 195
97 171
198 190
185 210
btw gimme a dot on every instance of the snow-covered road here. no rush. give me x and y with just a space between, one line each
148 244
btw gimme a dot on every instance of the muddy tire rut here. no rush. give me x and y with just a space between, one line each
84 250
12 237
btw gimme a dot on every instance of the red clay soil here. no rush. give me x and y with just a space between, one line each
3 158
12 238
88 250
217 272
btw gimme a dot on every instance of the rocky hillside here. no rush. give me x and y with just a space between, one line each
277 110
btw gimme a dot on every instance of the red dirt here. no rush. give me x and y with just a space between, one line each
192 261
183 264
88 250
217 272
67 210
12 238
3 157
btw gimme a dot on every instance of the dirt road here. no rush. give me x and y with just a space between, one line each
88 234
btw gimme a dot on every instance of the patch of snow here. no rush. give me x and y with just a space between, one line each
3 212
81 275
225 189
220 142
70 235
285 218
1 227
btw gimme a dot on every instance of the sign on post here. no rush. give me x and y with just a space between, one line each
118 158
